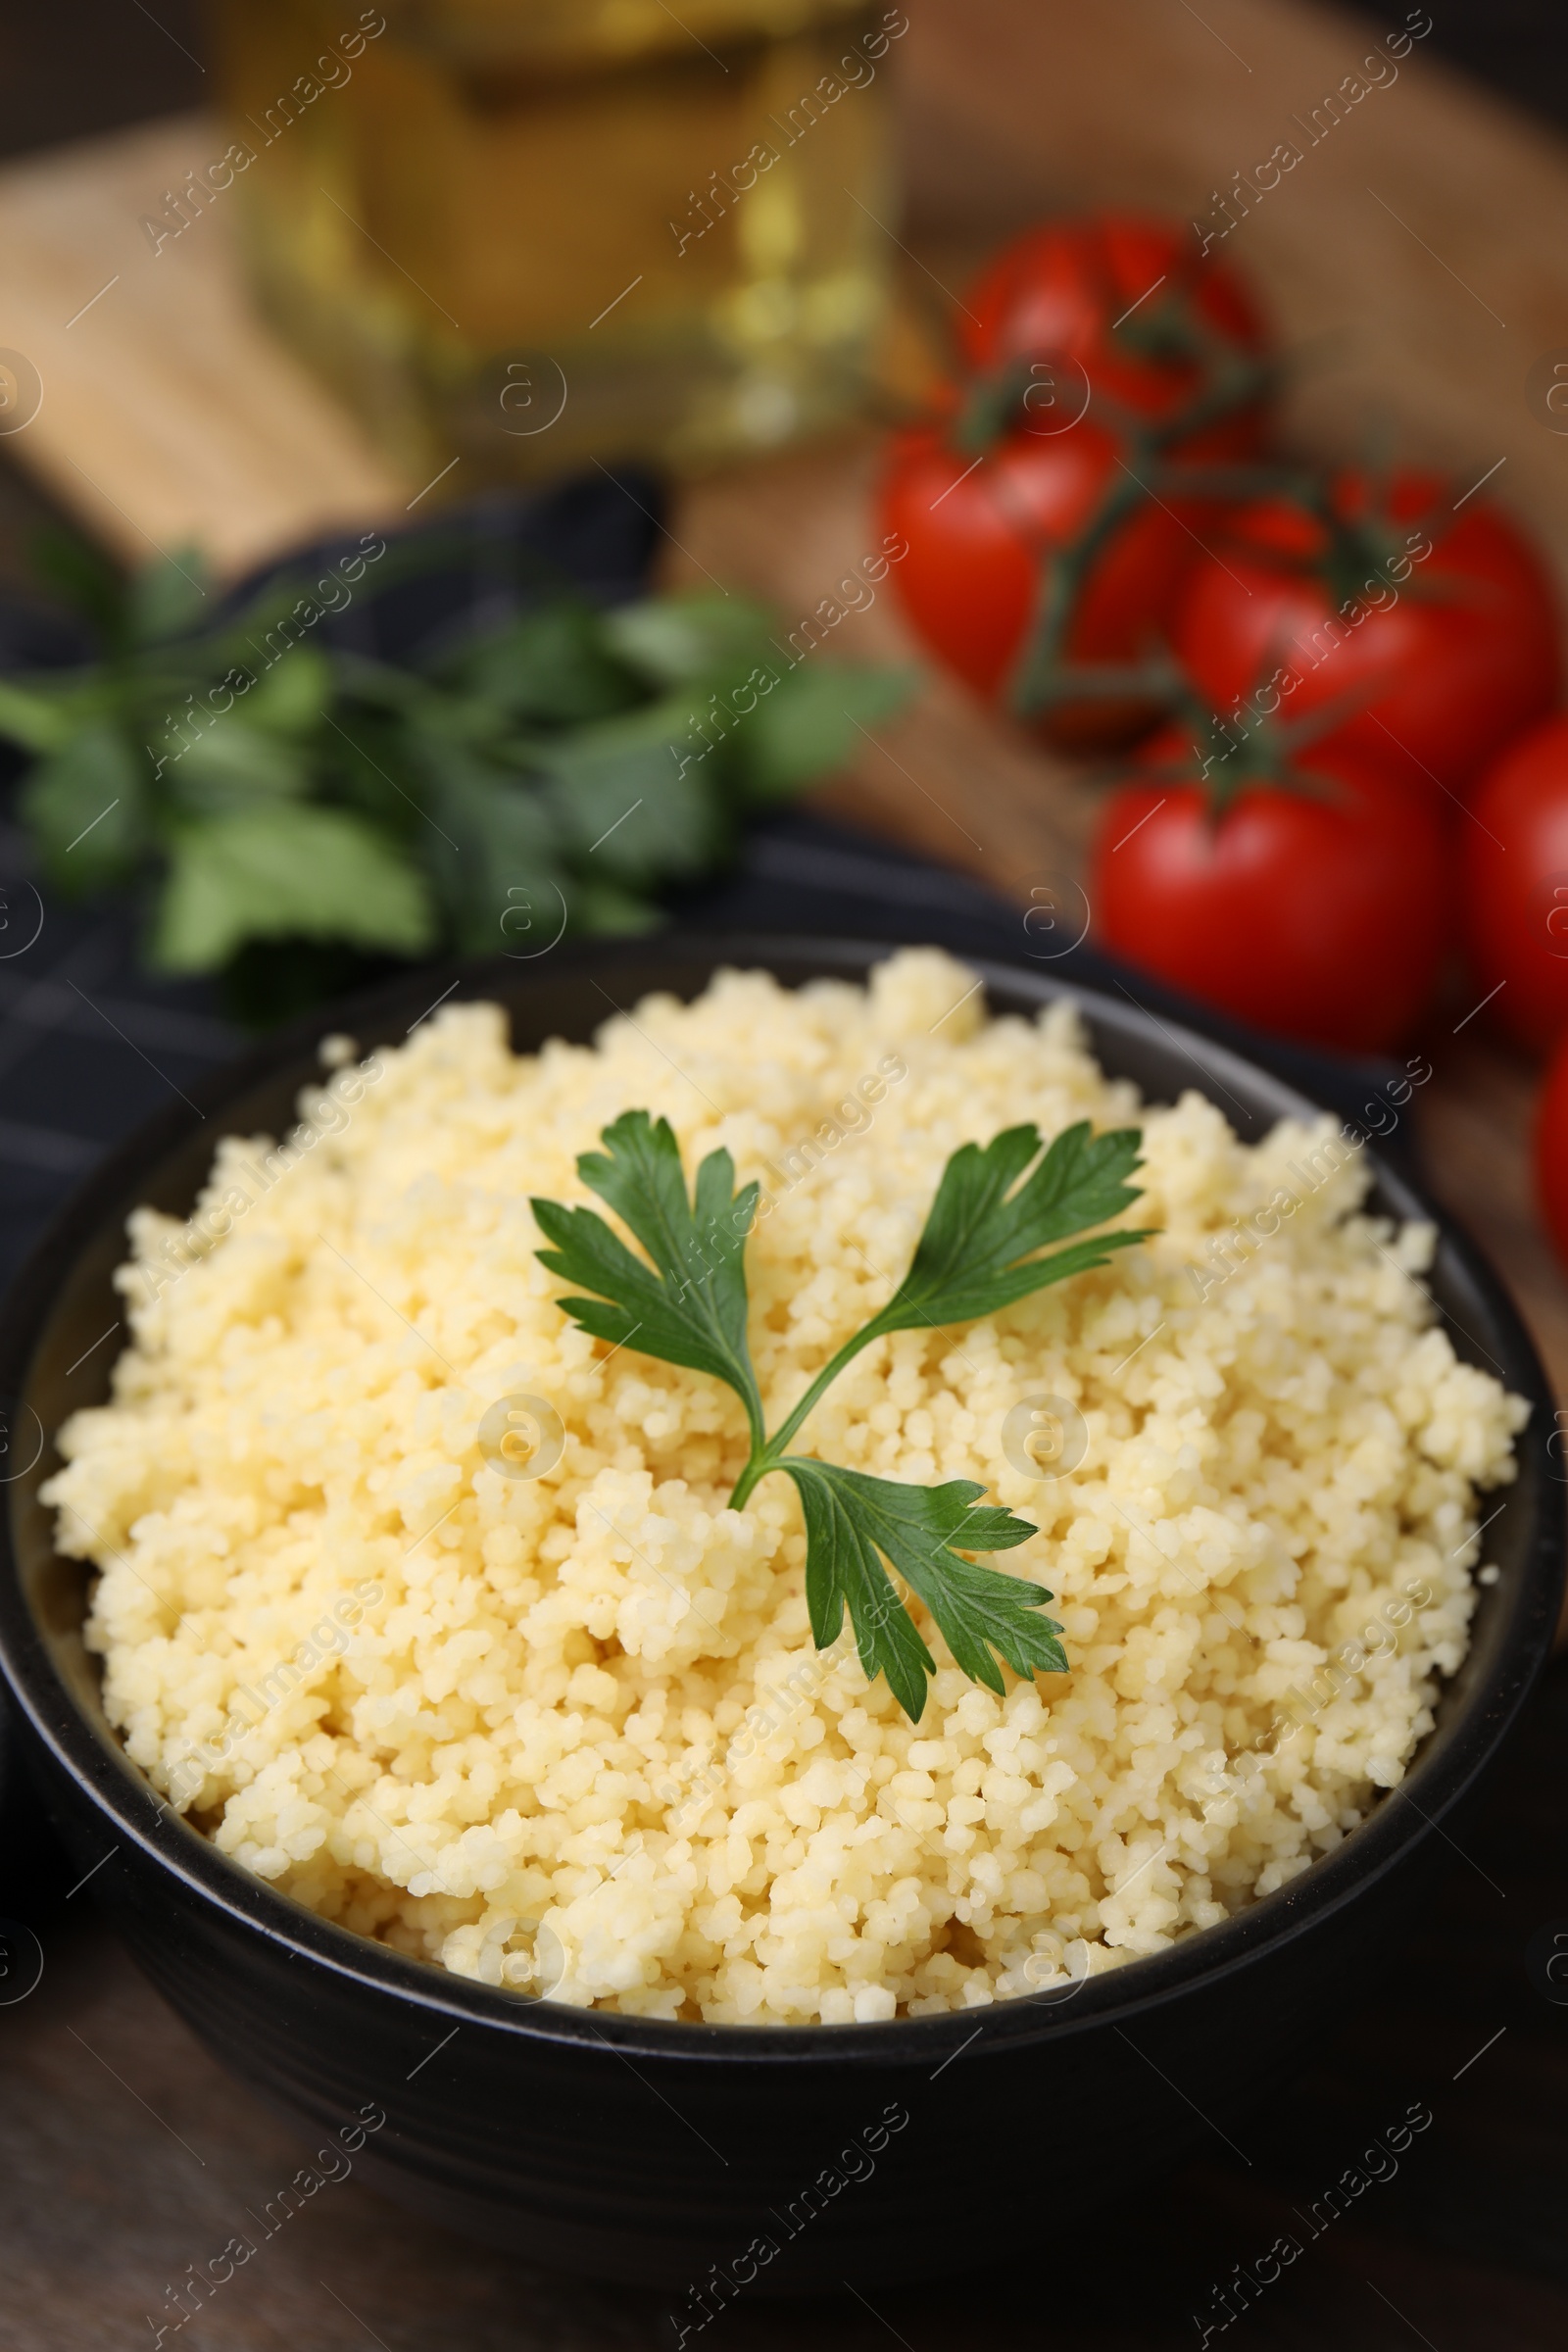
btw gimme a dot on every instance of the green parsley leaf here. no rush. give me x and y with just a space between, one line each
280 870
552 668
689 1306
170 599
40 722
549 776
975 1255
288 699
86 806
675 640
621 798
234 767
983 1614
809 725
479 834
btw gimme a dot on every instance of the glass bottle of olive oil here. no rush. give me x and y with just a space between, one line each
523 232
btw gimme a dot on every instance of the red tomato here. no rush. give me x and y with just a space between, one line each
1438 656
981 539
1551 1153
1515 888
1091 342
1110 293
1321 913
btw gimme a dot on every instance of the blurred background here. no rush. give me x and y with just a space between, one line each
98 69
527 373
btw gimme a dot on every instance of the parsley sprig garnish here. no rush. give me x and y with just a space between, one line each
686 1303
292 813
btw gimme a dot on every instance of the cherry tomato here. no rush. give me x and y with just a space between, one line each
1515 886
1319 911
982 538
1435 631
1551 1153
1121 295
1046 513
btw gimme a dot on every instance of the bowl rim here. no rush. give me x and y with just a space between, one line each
111 1783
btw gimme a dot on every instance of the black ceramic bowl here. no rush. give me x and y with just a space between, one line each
650 2151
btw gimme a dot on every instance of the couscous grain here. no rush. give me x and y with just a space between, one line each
570 1730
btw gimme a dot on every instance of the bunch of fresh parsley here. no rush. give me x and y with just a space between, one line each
291 809
686 1303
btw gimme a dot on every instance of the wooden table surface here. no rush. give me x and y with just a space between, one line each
1417 258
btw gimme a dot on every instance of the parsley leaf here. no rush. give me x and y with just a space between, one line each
850 1518
686 1303
272 872
689 1306
976 1251
559 771
89 798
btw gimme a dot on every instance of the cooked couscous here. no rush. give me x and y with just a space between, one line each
568 1731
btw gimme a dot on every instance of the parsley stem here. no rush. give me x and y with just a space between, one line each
756 1470
766 1456
821 1384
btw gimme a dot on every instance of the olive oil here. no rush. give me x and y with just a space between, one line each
517 234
